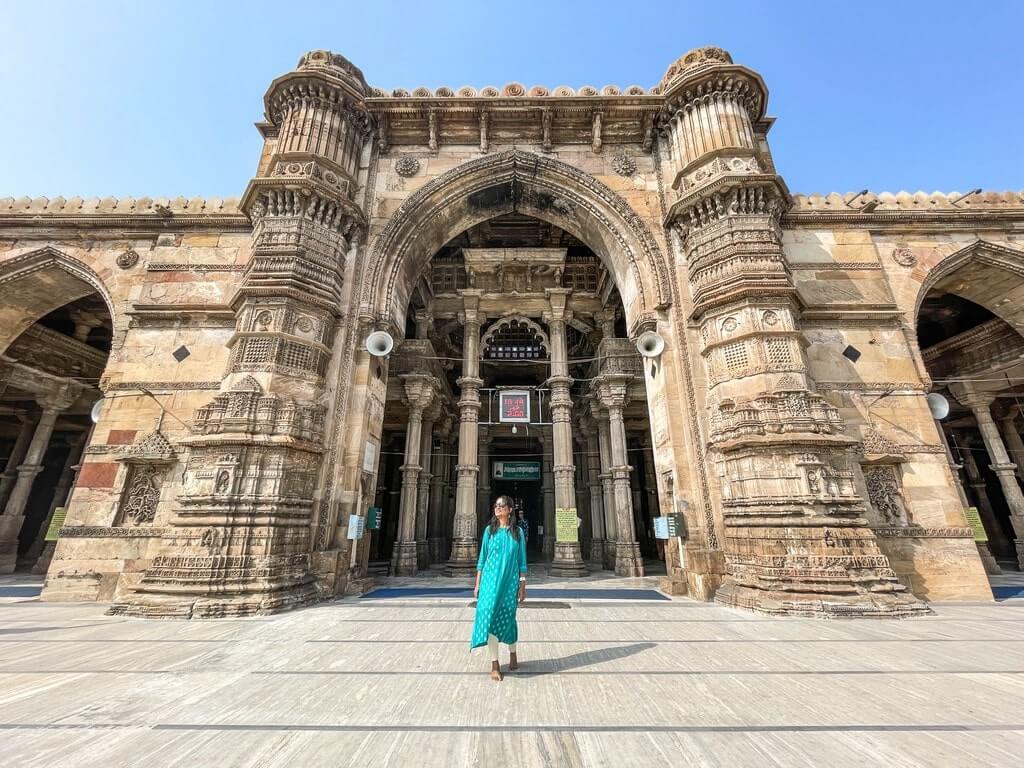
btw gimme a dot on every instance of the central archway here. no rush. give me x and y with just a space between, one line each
507 182
516 186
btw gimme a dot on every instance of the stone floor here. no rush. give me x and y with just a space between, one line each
604 682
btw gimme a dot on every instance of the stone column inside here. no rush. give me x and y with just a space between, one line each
984 508
18 450
979 492
1014 443
604 442
438 508
423 486
547 496
419 393
614 393
483 491
797 540
568 559
596 488
650 483
464 530
41 551
13 515
1005 470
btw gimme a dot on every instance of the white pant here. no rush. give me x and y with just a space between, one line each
492 646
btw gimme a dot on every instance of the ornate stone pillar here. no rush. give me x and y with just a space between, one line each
597 541
483 491
796 538
568 559
1014 443
979 403
41 551
438 507
423 486
547 490
464 539
607 487
241 537
10 475
419 393
14 512
614 393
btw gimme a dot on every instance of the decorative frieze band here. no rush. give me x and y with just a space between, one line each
918 532
844 266
152 386
168 267
872 387
103 532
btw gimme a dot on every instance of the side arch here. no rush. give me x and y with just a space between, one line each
34 284
515 180
993 277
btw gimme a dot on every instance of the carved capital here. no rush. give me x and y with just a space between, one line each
419 392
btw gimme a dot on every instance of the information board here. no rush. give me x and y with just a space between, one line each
356 526
974 520
668 526
514 406
56 522
566 524
515 470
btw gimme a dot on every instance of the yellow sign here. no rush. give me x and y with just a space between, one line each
56 522
974 520
566 525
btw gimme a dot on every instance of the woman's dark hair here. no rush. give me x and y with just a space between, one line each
513 524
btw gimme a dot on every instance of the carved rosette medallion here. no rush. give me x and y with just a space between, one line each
128 259
407 166
623 164
904 257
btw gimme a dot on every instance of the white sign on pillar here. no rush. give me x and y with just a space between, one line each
370 456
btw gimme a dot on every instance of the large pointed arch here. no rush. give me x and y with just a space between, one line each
514 180
989 274
36 283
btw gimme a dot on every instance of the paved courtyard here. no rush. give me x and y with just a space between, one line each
605 681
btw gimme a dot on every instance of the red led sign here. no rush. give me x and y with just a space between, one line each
514 407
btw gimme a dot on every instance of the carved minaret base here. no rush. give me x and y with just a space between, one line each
796 541
240 539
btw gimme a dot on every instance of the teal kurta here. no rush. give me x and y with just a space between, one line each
502 559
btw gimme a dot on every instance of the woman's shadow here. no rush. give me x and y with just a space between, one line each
538 667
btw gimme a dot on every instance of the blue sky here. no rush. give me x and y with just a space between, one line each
159 98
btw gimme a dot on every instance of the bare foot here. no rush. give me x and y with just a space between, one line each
496 675
513 662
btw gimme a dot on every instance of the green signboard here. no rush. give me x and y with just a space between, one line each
373 518
566 525
56 522
974 520
515 470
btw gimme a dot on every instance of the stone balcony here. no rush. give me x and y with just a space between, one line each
990 345
616 356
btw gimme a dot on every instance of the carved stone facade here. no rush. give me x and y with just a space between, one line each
785 419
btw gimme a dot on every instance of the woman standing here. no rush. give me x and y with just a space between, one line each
500 585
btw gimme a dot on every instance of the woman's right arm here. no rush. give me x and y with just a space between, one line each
481 560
